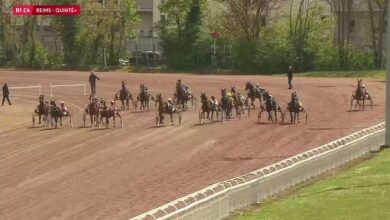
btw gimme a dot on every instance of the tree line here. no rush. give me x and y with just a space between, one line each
255 35
78 41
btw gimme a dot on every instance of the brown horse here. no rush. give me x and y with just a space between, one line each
92 109
163 108
42 110
360 95
295 107
107 113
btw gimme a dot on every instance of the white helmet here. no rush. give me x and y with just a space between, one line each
169 99
112 102
62 102
257 84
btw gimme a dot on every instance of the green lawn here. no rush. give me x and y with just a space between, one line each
362 192
375 74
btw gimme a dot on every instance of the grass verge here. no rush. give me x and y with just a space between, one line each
361 192
374 74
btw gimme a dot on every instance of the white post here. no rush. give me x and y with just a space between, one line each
387 135
51 89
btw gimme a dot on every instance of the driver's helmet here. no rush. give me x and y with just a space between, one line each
62 103
363 86
112 102
169 100
257 85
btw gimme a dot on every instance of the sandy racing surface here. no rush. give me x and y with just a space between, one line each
89 173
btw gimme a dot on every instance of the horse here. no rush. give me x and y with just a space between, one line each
92 109
360 94
56 113
144 97
253 93
124 95
295 107
270 106
239 103
163 108
207 106
107 113
42 110
226 103
182 96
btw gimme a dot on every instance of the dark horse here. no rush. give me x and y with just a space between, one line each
42 110
92 109
163 108
253 93
226 103
207 107
295 107
144 97
360 95
124 95
56 113
107 113
270 106
181 95
239 103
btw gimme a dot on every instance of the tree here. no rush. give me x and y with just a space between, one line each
377 14
245 18
301 25
180 31
342 10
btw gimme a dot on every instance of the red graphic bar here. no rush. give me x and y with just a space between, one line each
58 10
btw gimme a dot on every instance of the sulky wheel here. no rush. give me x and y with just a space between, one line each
180 119
259 116
33 119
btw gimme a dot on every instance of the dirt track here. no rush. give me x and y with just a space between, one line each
84 173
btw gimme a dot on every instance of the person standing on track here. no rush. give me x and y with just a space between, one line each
5 94
92 82
290 76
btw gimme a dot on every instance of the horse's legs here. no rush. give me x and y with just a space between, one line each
171 115
113 120
299 121
291 116
276 115
39 118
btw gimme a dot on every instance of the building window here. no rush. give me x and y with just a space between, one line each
352 26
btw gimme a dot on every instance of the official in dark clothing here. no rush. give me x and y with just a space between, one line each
92 82
290 77
5 94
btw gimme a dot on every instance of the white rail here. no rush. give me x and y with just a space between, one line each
68 85
39 87
219 200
